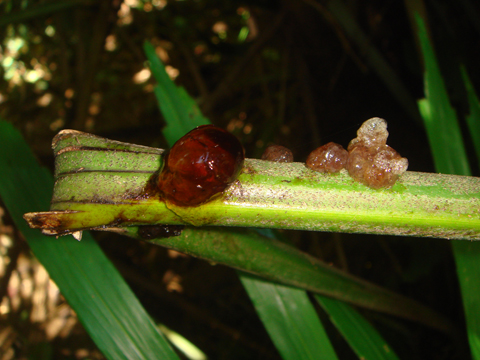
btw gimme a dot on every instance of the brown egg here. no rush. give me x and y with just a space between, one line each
330 158
277 153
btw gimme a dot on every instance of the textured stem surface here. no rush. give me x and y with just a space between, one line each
101 183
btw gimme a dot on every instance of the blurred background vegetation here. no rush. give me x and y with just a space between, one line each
296 73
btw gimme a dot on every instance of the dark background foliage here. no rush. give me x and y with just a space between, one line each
282 72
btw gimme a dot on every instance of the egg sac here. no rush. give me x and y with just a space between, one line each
370 160
278 153
330 158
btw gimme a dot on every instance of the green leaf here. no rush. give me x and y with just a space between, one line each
105 305
179 110
290 319
473 118
450 157
365 341
439 116
274 260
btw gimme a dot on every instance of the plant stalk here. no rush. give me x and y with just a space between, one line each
101 184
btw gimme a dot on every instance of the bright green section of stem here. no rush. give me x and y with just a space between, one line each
106 182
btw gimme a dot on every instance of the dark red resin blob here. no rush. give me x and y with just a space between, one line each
200 165
330 158
277 153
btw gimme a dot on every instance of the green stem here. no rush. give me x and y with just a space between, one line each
101 183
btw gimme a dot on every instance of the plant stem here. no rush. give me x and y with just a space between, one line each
101 184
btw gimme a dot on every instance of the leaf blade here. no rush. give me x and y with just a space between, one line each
106 306
473 118
179 110
450 157
365 341
290 319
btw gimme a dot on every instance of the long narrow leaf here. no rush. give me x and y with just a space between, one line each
473 118
105 305
290 319
365 341
439 116
179 110
449 156
274 260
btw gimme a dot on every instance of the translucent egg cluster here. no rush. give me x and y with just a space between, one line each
370 160
278 153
